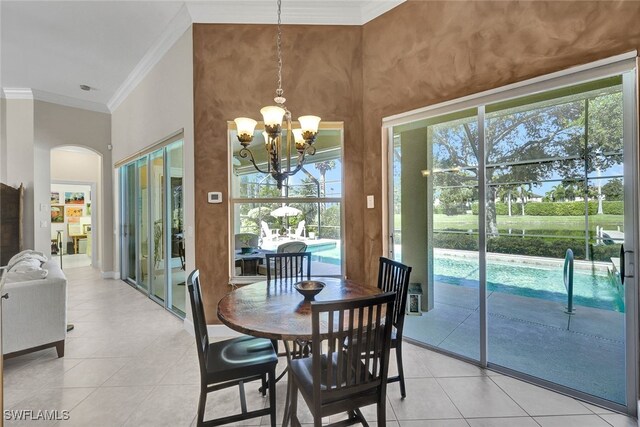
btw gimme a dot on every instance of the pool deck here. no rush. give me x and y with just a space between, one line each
530 335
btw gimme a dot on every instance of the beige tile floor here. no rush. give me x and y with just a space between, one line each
130 363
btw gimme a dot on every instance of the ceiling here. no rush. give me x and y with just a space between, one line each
53 47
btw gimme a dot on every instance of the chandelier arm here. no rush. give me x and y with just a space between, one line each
246 153
310 150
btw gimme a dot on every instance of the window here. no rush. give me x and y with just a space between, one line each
308 208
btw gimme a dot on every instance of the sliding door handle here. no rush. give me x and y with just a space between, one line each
623 264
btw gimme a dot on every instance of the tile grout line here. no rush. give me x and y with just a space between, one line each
510 397
450 399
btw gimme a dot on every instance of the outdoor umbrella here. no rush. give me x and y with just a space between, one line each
285 211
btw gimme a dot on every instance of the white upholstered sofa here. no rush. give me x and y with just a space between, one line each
34 317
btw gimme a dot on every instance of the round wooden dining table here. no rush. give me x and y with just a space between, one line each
275 310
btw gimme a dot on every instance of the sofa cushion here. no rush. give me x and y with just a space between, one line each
23 276
25 265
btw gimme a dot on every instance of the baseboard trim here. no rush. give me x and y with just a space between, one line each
110 274
215 331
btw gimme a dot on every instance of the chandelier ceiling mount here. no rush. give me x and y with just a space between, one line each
301 139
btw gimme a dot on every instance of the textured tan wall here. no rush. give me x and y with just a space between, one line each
422 53
418 54
235 75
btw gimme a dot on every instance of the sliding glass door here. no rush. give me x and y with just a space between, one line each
517 216
152 218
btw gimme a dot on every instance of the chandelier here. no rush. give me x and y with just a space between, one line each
301 139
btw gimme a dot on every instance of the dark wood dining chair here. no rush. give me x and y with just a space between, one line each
394 277
287 265
338 379
229 363
295 266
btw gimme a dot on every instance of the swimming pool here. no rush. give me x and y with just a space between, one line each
589 289
327 253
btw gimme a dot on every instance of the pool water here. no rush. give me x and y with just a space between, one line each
589 289
329 254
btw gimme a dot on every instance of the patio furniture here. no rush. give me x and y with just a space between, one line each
229 363
300 231
285 248
268 233
394 277
336 379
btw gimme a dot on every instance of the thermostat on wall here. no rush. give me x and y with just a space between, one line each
214 197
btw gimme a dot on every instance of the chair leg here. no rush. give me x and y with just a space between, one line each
403 390
272 396
382 412
202 404
293 404
264 385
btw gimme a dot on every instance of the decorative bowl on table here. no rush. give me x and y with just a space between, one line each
309 288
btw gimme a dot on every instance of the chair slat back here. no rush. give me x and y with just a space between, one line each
394 277
342 371
199 321
289 265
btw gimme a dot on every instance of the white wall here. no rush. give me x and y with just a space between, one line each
159 106
3 141
75 166
55 126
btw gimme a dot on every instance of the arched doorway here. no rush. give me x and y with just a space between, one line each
76 185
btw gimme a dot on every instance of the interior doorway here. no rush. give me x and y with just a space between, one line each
75 184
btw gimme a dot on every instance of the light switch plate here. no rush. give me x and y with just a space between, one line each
370 202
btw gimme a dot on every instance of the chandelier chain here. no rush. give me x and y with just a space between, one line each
279 91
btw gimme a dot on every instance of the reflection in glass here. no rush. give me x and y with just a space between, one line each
176 227
130 222
158 220
143 223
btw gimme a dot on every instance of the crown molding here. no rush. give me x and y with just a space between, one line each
309 12
372 9
17 93
68 101
176 28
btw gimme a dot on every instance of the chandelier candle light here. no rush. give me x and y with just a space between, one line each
299 139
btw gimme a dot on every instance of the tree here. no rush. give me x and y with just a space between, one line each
454 200
323 168
559 193
522 144
613 190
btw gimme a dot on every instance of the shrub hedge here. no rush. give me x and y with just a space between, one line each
531 246
556 208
